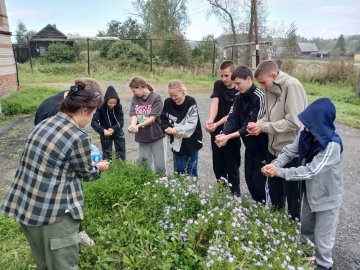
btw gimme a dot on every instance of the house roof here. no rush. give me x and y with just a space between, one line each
308 47
49 32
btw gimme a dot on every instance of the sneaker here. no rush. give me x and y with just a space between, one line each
319 267
86 240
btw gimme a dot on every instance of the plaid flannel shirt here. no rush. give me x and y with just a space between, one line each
57 156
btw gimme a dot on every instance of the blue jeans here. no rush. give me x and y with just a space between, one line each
186 164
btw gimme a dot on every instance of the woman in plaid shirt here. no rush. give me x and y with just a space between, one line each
46 196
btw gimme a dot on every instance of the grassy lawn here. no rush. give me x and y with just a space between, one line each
344 98
33 90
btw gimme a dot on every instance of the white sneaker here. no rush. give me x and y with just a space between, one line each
86 240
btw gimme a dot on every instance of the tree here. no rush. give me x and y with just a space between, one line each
162 18
290 41
203 52
176 52
20 33
340 46
228 12
31 33
129 29
237 16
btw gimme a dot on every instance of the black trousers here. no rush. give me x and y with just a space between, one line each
119 142
280 190
226 163
255 159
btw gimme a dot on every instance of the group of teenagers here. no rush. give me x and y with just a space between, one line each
289 146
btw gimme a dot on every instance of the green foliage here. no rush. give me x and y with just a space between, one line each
140 221
162 18
176 52
20 33
339 48
129 29
26 101
59 52
15 251
203 52
127 53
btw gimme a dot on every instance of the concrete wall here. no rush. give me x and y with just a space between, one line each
8 82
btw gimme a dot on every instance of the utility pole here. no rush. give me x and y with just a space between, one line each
256 29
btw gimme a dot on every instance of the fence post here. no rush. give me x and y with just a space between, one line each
17 70
213 60
232 53
29 51
151 60
88 56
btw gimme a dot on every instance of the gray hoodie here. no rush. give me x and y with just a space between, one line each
284 100
324 173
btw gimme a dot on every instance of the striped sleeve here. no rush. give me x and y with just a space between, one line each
322 161
261 95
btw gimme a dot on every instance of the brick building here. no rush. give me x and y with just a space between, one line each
8 82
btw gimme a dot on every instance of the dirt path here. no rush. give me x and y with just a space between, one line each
347 249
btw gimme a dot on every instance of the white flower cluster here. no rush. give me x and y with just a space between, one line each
234 230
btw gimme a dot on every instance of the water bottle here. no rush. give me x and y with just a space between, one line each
95 154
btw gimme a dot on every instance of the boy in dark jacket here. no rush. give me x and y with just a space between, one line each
320 149
108 121
249 106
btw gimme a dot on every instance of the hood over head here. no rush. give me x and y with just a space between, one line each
319 119
111 93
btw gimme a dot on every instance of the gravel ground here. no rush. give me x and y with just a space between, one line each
347 248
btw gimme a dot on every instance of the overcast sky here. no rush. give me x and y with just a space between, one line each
314 18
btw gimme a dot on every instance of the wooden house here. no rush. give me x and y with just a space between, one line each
39 43
306 48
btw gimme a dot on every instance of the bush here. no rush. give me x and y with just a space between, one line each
126 53
26 101
104 46
59 53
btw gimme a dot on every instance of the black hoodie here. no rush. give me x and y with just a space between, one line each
106 118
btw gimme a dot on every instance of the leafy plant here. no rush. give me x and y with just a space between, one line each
59 52
141 221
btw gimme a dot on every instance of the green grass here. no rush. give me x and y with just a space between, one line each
140 221
26 101
65 73
346 102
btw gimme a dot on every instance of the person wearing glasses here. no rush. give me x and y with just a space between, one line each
46 196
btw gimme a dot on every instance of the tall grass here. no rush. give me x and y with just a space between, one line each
324 73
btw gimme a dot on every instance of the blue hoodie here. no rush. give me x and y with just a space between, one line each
319 119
